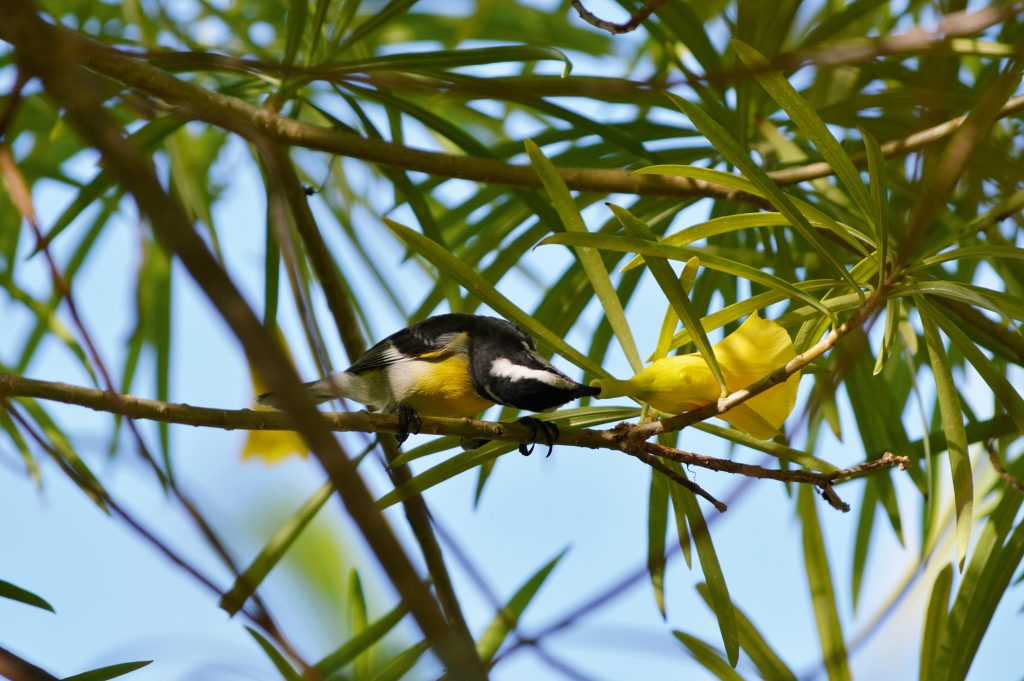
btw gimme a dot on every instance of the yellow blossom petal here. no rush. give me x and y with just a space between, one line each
683 382
271 446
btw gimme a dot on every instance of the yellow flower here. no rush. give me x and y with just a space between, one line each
684 382
271 446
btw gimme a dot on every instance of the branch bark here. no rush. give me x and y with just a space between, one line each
621 438
243 118
46 52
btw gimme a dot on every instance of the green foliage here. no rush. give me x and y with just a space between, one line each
726 158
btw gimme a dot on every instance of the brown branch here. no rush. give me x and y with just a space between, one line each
1005 475
63 291
621 438
635 19
242 118
48 53
19 669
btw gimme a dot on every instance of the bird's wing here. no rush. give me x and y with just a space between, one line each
407 345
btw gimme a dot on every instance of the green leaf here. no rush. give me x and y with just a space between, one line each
708 657
111 672
994 377
361 642
675 493
652 250
819 580
862 540
675 293
996 556
271 554
657 527
935 624
16 593
572 221
469 279
809 122
953 425
715 227
358 620
731 150
298 11
506 618
892 320
400 665
879 200
973 252
671 319
713 575
444 59
767 661
702 174
280 663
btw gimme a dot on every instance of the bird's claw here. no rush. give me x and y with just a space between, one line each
408 422
537 426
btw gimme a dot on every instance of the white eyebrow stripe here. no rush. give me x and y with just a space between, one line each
504 368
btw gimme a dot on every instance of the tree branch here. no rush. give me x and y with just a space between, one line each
620 438
635 19
18 669
243 118
48 52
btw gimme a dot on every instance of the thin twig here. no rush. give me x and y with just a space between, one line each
258 616
50 54
234 114
635 19
620 438
63 291
1005 475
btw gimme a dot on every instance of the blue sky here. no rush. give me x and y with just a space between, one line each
117 600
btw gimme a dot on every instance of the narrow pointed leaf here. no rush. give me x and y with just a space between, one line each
400 665
280 663
110 672
471 280
248 581
362 642
708 657
935 623
953 425
16 593
592 263
823 597
732 151
713 576
809 123
767 661
675 293
506 618
657 527
651 250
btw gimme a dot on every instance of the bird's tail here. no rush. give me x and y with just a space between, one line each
323 390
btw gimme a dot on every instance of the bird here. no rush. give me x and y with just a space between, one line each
452 365
682 382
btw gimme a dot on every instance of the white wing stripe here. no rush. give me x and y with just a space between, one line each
503 368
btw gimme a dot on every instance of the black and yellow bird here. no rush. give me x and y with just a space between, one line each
454 365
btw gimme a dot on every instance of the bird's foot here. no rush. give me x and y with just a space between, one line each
536 427
408 422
